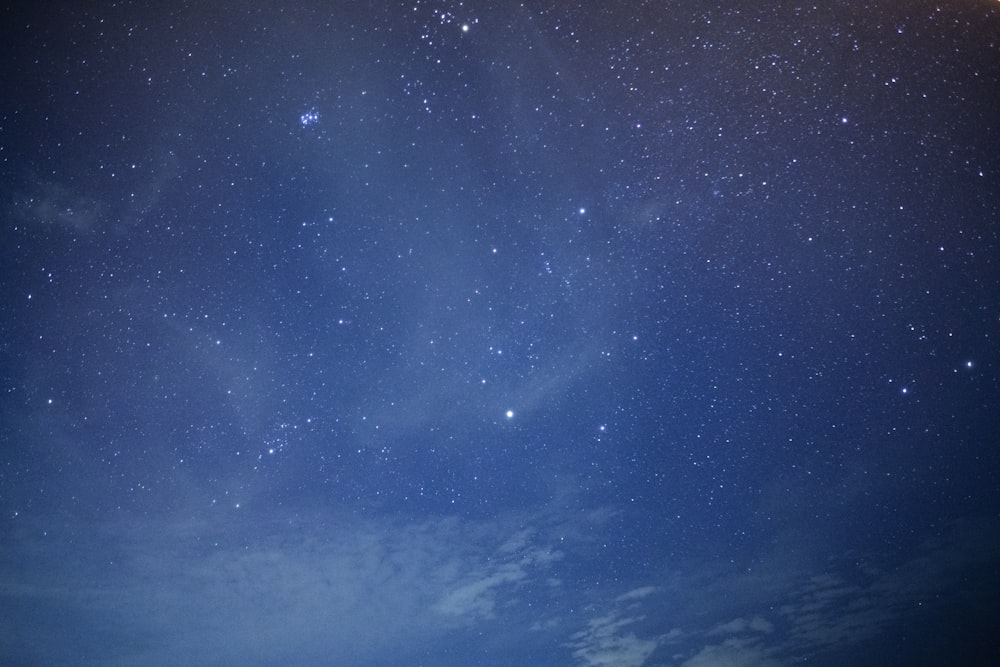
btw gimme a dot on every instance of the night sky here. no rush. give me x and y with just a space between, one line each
492 333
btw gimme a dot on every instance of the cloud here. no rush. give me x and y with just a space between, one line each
732 653
273 587
611 639
277 587
828 608
742 648
606 642
637 593
478 598
743 625
515 561
279 590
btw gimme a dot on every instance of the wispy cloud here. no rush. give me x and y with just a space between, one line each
611 639
790 612
742 625
351 589
733 653
514 562
330 590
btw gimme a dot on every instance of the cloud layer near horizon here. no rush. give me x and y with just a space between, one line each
363 590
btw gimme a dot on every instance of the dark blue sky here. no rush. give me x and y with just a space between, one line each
447 333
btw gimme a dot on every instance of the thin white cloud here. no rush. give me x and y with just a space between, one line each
515 561
813 614
607 642
732 653
743 625
478 598
612 638
517 542
331 591
353 590
637 593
